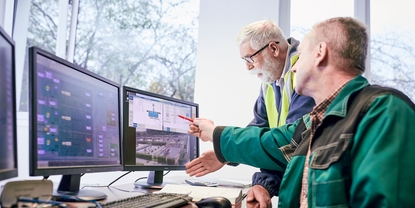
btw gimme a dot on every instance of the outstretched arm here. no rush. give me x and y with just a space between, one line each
232 144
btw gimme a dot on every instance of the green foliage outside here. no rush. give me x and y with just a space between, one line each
146 44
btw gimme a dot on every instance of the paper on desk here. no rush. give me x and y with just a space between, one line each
200 192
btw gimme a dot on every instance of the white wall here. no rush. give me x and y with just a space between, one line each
224 89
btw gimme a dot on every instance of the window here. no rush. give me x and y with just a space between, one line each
150 45
303 18
42 32
392 45
42 27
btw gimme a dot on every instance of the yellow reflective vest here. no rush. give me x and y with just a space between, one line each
275 118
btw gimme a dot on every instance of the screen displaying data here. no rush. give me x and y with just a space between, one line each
76 117
155 134
8 136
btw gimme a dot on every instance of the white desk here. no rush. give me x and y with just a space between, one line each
117 192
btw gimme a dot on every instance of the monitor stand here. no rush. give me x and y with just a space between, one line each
68 190
154 181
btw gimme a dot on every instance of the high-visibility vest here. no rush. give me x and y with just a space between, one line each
276 119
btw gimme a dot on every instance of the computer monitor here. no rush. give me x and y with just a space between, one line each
155 137
8 136
74 123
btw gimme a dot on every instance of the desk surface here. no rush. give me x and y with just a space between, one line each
117 192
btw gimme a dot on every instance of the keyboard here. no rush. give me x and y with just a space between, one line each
153 200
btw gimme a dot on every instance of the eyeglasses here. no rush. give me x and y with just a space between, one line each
249 58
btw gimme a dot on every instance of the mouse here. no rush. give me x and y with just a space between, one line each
214 202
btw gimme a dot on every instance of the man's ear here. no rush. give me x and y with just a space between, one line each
321 54
275 49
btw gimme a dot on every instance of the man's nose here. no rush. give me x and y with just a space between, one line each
249 66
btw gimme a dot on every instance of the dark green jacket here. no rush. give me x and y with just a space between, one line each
376 167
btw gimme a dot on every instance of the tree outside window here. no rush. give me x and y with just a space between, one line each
149 45
392 45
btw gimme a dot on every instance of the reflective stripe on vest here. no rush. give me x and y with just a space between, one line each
274 119
271 106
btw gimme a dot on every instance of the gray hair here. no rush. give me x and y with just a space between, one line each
348 39
261 33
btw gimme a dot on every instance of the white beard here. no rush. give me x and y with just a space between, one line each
269 72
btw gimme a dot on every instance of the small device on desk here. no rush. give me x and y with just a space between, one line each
201 183
34 189
214 201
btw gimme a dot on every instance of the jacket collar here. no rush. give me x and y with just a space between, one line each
339 105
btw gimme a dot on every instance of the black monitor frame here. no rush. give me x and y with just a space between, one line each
70 182
155 178
11 172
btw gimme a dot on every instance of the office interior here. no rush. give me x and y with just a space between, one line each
224 89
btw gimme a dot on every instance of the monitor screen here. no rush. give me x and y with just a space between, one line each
8 136
74 122
155 137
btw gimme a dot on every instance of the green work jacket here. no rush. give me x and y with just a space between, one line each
375 168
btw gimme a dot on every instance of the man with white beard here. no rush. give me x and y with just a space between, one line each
269 55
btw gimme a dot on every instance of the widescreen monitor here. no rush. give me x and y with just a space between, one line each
74 123
155 137
8 136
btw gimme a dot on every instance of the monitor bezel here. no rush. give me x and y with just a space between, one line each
127 167
34 51
11 173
